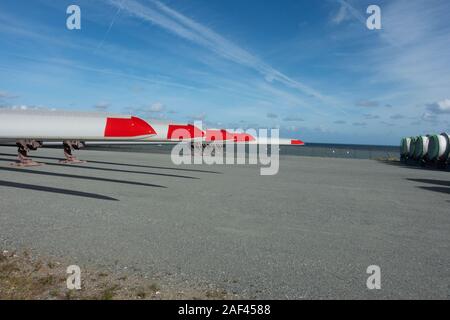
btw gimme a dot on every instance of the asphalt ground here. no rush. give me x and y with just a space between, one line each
309 232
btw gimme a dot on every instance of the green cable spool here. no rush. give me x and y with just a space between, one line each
421 148
446 152
402 146
412 147
418 148
433 147
405 145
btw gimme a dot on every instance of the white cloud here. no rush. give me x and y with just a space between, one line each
439 107
198 117
22 107
26 107
429 117
155 110
156 107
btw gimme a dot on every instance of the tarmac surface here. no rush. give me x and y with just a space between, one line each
309 232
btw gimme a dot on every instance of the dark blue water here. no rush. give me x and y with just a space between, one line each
342 151
310 150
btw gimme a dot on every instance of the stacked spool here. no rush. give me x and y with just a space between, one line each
426 148
439 147
412 147
405 146
421 148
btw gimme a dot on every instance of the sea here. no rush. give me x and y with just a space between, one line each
350 151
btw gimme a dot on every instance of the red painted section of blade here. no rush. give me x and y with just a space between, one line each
297 142
127 127
242 137
180 132
217 135
223 135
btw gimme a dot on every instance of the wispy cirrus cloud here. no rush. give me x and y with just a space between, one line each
413 46
340 15
408 56
185 27
346 12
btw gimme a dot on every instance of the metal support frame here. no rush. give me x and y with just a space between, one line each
23 147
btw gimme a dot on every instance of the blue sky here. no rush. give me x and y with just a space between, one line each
311 68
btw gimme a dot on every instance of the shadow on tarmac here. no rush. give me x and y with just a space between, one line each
416 166
430 181
83 166
123 164
73 176
437 189
443 185
16 185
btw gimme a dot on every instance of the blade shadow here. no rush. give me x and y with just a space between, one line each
124 171
431 181
123 164
73 176
55 190
416 166
83 166
437 189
